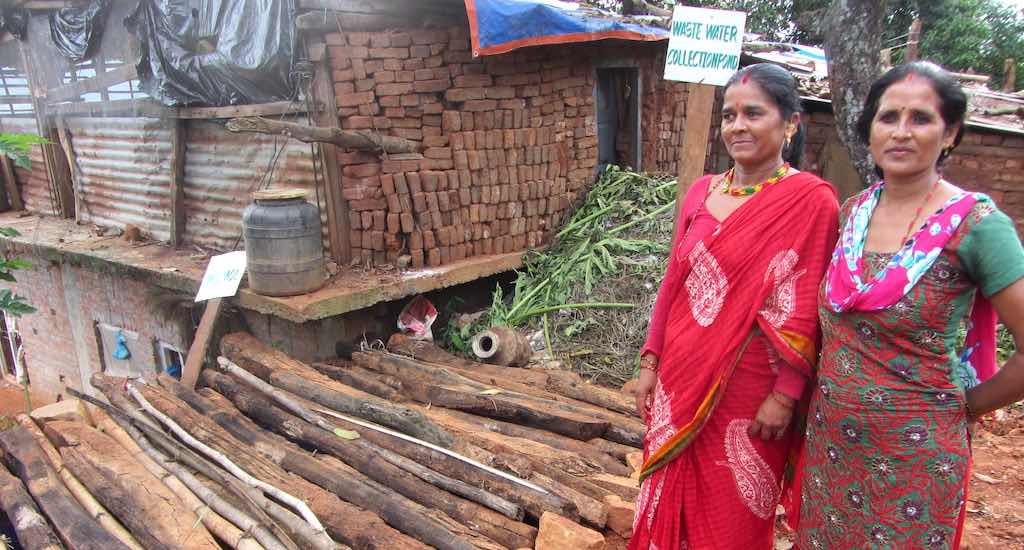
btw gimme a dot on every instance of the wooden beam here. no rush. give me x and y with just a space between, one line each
119 107
400 7
200 344
232 111
178 133
700 100
151 108
360 140
11 184
51 4
338 225
94 84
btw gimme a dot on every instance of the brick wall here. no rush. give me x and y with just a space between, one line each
60 339
992 162
49 348
509 141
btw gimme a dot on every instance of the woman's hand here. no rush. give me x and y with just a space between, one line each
773 417
645 391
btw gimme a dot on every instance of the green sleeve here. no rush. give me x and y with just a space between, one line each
991 251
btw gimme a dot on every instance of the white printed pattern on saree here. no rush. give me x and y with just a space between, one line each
780 304
755 481
706 285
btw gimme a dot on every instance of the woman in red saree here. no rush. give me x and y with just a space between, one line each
733 337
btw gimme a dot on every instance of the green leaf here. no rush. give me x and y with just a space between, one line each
9 232
346 434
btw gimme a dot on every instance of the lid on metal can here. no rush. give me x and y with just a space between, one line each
280 194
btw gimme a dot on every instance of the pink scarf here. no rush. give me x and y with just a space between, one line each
847 289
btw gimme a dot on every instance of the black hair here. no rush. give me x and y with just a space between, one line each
780 86
953 100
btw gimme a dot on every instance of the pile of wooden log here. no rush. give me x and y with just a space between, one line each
407 447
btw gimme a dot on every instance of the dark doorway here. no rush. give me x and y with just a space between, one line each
618 117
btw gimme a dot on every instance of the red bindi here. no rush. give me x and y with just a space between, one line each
745 78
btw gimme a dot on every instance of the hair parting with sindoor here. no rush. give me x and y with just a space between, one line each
781 87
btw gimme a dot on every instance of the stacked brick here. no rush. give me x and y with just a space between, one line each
508 144
663 117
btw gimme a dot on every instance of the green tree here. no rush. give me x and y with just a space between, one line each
17 148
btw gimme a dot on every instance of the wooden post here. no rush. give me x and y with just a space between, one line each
65 143
700 100
178 132
1010 73
57 168
11 184
913 40
886 57
201 343
325 113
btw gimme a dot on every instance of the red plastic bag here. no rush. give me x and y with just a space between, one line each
416 318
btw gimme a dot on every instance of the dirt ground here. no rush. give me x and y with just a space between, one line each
995 503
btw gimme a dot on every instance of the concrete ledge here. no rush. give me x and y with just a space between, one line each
65 242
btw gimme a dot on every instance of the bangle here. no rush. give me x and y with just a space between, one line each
649 364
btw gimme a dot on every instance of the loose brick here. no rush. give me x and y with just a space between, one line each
366 84
428 240
431 86
349 52
343 88
344 75
355 99
407 224
410 100
464 94
420 51
401 39
480 105
384 77
361 170
500 92
473 81
368 204
419 202
389 53
397 88
435 141
434 257
405 76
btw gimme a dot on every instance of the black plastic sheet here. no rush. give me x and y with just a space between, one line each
14 21
77 31
215 52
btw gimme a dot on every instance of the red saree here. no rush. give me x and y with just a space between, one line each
748 302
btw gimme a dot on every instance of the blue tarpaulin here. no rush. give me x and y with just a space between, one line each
499 26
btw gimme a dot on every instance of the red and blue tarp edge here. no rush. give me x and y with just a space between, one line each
499 26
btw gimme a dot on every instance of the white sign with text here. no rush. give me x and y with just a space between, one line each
223 274
705 45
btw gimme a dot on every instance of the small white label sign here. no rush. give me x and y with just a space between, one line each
223 274
705 45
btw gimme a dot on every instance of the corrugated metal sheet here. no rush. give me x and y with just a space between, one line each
223 169
33 183
123 172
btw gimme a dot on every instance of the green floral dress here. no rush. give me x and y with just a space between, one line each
887 451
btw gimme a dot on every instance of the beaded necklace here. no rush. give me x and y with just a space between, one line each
751 189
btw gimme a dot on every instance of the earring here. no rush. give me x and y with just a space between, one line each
786 145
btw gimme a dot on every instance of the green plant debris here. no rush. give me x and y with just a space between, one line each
599 275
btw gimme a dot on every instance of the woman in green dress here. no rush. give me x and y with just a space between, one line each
887 453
